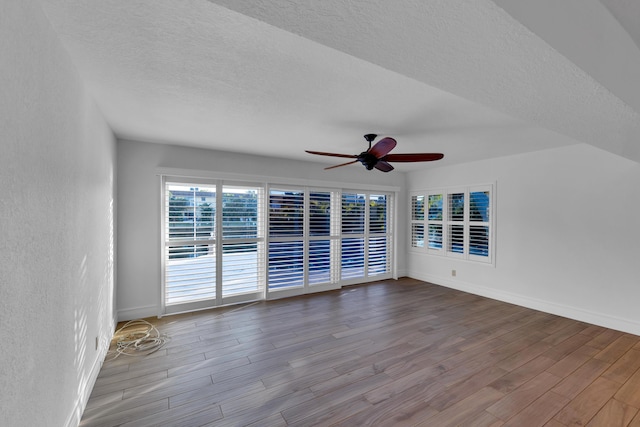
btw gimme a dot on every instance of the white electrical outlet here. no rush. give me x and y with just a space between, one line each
453 273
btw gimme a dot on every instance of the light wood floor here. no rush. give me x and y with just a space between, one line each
392 353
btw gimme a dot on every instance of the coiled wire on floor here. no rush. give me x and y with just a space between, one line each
137 338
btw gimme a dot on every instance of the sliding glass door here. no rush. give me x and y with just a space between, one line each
365 237
213 244
242 243
229 242
190 243
302 241
323 238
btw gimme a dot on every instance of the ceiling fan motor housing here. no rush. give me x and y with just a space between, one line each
368 160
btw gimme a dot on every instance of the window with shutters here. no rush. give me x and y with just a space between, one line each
232 242
302 238
286 238
323 237
365 236
190 243
417 221
353 229
457 223
213 244
479 223
434 222
378 235
242 241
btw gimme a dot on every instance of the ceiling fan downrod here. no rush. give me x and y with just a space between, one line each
370 137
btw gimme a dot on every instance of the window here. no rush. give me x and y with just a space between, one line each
286 238
322 249
190 251
242 241
227 242
302 238
417 221
378 236
213 245
353 222
479 226
366 240
434 221
458 223
455 223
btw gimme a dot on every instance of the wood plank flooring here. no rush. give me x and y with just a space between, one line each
390 353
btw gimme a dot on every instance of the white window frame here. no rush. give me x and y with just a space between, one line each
218 240
446 222
259 240
416 220
264 237
306 287
366 236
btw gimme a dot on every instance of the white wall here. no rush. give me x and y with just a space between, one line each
567 234
56 222
139 202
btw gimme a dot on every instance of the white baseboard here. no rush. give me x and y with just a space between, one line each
86 387
138 312
576 313
401 273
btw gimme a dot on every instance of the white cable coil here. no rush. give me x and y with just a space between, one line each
138 342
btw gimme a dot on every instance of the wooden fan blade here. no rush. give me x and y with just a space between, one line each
383 147
413 157
341 164
322 153
383 166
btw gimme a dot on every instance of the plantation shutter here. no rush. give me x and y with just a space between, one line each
479 224
190 243
435 222
457 222
322 249
365 235
353 229
377 259
229 241
242 240
417 221
455 226
286 238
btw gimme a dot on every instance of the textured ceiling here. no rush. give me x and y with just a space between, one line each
472 79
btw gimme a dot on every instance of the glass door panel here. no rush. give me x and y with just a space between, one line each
286 238
241 268
190 254
286 264
242 241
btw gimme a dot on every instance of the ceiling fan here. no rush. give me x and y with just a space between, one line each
378 156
